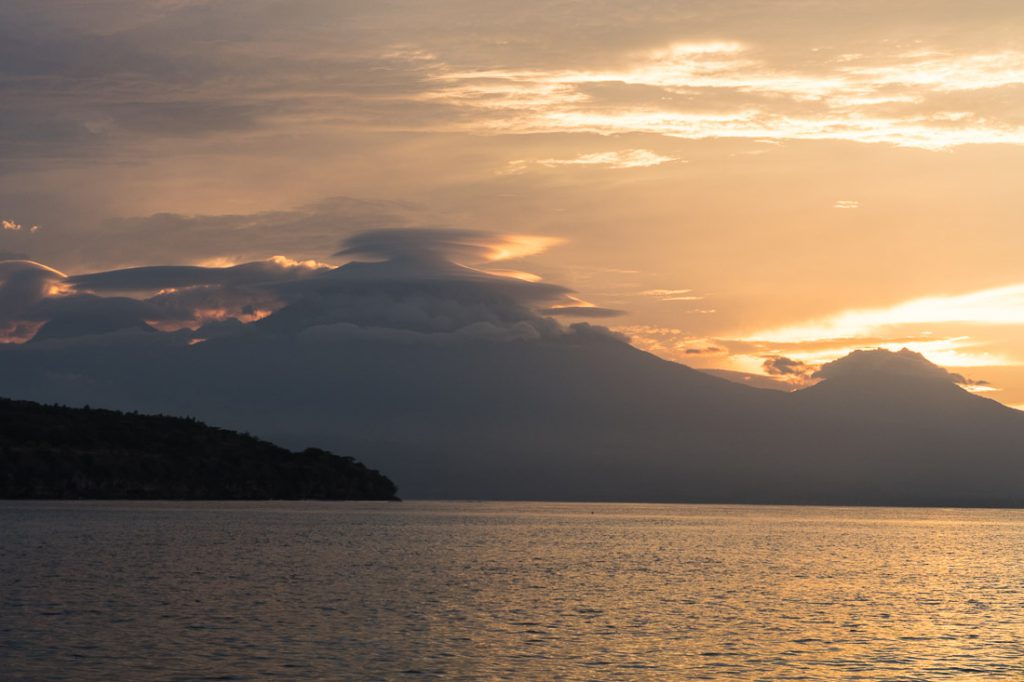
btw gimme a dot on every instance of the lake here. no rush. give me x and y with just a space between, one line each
507 591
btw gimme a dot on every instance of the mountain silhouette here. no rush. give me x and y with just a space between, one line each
581 417
593 418
460 383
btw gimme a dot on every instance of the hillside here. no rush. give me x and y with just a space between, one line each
66 453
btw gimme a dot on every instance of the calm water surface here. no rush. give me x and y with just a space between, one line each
511 591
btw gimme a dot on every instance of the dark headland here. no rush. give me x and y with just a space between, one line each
52 452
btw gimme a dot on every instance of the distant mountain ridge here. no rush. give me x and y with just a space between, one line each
597 419
462 383
583 416
57 452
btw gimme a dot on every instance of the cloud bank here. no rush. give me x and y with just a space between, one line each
721 89
398 280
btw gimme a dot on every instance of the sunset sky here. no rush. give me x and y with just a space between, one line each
757 186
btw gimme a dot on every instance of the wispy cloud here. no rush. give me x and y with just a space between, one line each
672 343
628 158
998 306
938 326
725 89
672 294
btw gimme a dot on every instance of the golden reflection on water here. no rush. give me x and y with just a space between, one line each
509 591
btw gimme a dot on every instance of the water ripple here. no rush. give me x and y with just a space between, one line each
482 591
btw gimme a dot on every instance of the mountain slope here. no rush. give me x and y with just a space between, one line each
912 439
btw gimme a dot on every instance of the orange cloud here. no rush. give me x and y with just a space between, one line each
846 98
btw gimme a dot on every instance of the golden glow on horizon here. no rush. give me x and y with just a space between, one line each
832 337
998 306
819 341
829 338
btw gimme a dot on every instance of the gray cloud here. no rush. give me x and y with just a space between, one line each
417 285
307 232
86 315
184 118
23 284
707 350
154 278
412 286
583 311
778 365
868 364
429 244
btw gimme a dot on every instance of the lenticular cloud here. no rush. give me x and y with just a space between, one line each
429 281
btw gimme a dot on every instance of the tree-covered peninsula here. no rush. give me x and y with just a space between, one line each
53 452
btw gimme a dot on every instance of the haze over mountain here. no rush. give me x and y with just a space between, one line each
457 381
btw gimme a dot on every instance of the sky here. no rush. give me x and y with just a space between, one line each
754 186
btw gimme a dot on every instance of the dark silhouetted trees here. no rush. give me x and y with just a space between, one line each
66 453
